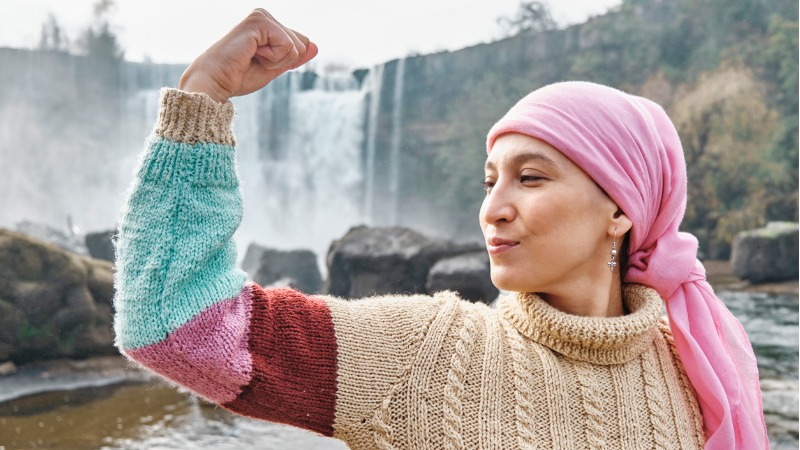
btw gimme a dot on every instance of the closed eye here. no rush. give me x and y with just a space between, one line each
530 178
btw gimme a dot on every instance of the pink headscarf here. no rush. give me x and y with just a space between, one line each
629 146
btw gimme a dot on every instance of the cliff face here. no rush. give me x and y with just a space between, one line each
71 129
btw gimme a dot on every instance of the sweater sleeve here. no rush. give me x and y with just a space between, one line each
184 310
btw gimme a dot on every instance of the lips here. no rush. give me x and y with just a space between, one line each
498 245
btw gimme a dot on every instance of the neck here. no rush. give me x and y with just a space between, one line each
590 299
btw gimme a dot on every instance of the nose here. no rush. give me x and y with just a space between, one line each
498 205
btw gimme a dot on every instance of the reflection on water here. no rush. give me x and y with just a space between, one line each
153 415
139 416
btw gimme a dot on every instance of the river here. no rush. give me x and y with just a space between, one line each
142 413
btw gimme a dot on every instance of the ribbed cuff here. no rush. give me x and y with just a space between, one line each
192 117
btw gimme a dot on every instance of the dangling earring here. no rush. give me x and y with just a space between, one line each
613 263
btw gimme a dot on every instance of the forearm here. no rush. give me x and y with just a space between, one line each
175 254
183 309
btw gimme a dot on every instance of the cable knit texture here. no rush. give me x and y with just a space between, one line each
393 372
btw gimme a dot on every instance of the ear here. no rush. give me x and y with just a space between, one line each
619 224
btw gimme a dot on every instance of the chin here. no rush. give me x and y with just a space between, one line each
511 282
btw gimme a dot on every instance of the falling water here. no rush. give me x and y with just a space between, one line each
375 85
301 143
300 161
394 152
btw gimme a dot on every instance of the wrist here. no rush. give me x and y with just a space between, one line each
192 82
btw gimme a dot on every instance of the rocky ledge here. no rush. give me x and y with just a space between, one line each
53 303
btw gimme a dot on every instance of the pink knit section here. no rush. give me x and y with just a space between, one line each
209 354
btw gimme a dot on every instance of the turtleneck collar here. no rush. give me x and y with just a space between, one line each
597 340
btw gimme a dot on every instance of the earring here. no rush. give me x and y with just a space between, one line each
613 263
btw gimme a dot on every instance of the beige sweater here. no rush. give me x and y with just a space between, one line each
523 376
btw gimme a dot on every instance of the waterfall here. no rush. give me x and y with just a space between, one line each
69 147
394 149
375 85
300 152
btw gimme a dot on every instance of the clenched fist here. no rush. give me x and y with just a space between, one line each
251 55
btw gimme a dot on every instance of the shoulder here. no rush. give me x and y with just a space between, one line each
403 311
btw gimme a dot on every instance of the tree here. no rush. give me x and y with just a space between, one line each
532 16
98 39
726 124
53 37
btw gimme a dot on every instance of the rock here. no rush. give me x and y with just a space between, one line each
38 300
23 258
270 267
5 351
100 280
7 368
101 245
767 254
12 322
78 309
467 274
392 260
48 304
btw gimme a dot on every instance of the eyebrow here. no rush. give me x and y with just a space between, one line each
521 158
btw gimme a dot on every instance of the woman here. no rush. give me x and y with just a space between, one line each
585 186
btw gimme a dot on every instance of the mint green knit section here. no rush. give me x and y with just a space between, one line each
175 255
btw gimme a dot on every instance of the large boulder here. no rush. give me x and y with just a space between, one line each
766 254
295 268
53 303
467 274
387 260
100 245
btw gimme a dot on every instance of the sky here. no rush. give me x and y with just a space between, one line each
354 33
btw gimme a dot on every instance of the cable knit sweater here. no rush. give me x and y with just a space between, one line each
412 372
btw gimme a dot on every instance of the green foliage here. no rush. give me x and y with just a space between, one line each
532 16
28 332
99 41
727 73
726 126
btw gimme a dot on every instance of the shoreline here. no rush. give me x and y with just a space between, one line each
67 375
721 277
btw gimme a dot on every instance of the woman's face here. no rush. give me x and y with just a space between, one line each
548 226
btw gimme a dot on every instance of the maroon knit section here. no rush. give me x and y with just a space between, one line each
293 347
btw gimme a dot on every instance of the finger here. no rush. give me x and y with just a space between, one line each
290 58
311 52
299 50
276 45
302 37
298 44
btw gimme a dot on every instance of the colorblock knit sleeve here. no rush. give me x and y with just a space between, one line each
185 311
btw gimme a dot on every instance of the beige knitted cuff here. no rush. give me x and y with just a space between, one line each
194 117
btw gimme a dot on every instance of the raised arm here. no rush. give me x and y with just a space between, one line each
184 310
